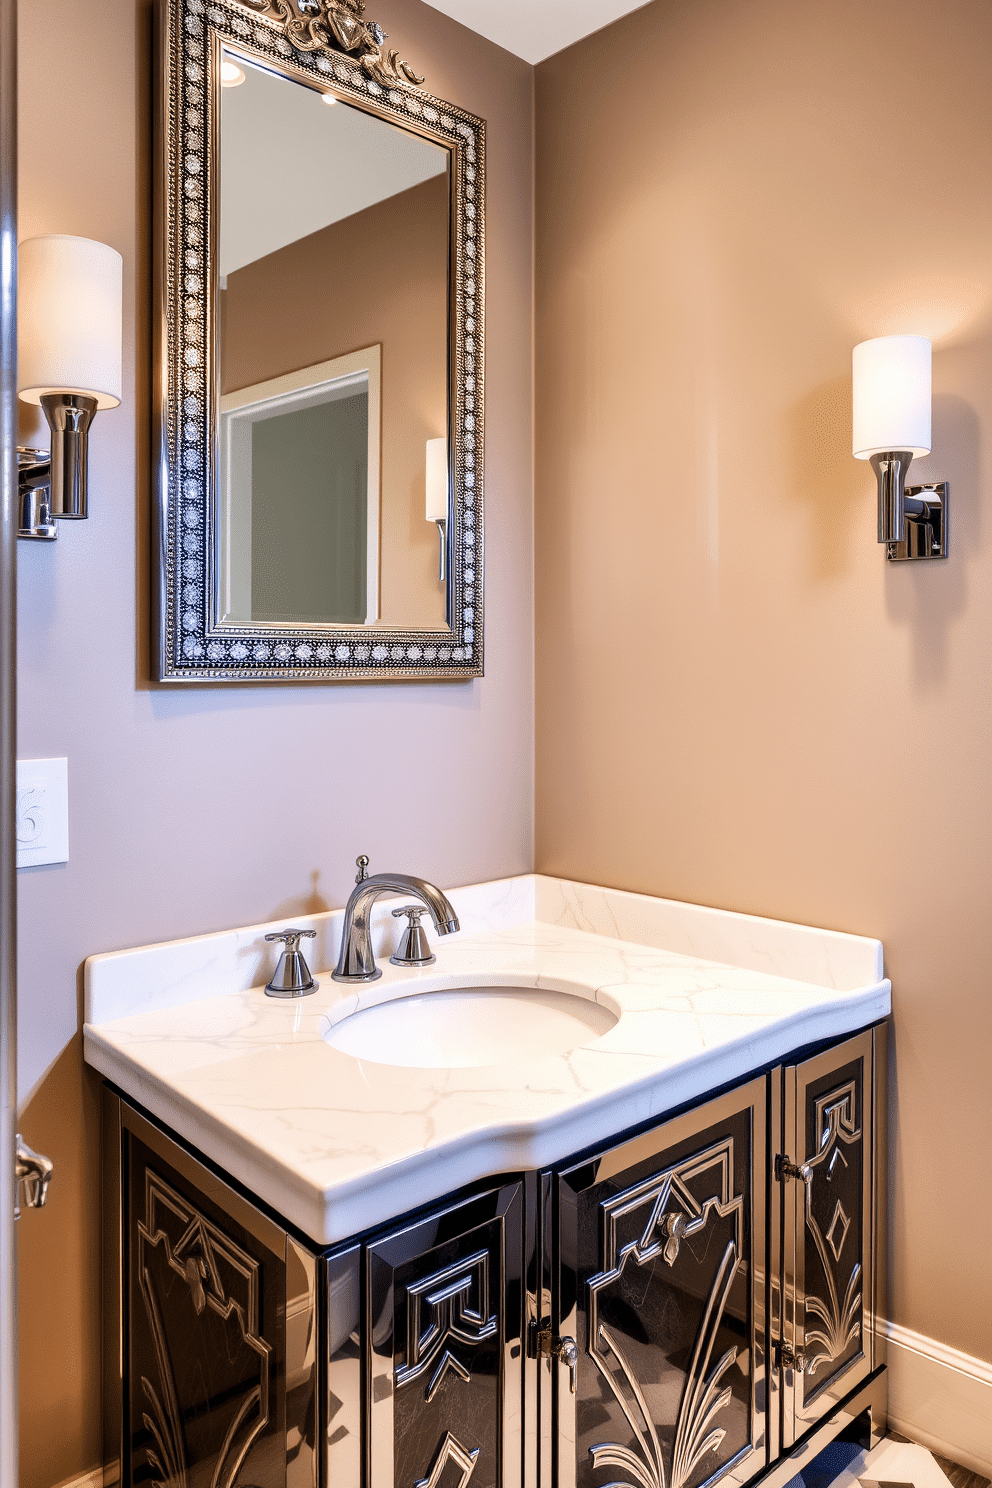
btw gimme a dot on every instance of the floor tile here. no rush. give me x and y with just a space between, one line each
958 1477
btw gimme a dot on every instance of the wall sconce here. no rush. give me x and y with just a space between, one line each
891 425
69 360
437 497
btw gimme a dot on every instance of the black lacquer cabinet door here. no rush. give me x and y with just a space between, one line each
660 1281
219 1314
444 1319
827 1232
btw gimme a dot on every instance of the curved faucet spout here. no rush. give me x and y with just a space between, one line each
356 963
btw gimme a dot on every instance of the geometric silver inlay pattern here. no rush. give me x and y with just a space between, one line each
451 1451
839 1222
706 1395
223 1279
449 1306
838 1157
838 1318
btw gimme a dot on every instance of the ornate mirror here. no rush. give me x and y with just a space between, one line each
320 353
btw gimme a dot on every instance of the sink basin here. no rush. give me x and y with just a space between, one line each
470 1026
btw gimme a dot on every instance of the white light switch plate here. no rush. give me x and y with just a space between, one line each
42 812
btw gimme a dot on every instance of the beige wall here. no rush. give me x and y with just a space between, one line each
739 702
307 303
194 809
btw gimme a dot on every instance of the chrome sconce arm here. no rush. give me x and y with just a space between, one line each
890 472
912 520
442 566
69 417
53 484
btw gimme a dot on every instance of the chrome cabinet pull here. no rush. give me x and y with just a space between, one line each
548 1346
675 1228
786 1168
33 1173
789 1358
567 1353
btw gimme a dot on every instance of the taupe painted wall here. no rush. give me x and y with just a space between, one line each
307 303
739 703
195 809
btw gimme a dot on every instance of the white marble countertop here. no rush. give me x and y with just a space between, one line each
338 1144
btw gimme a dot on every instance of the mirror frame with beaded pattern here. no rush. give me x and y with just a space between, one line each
330 45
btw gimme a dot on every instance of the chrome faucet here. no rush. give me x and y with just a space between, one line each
356 963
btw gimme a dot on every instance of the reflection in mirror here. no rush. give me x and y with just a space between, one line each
334 247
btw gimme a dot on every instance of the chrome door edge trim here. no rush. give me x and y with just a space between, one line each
303 1362
879 1190
789 1249
112 1289
773 1288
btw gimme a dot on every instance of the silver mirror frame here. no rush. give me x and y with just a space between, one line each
330 44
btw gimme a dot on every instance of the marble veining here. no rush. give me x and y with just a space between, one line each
339 1144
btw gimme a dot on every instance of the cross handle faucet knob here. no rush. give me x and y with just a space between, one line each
412 911
292 937
414 949
293 977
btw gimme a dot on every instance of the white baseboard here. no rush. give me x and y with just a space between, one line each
940 1397
93 1479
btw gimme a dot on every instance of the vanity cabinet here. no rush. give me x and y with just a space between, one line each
689 1305
660 1281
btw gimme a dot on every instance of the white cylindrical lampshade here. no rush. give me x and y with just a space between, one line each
69 319
437 480
892 396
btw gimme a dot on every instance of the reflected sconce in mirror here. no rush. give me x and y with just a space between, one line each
69 362
892 425
437 497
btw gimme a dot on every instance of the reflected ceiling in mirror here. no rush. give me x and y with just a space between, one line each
325 247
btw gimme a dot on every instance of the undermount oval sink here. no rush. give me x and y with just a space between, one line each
470 1026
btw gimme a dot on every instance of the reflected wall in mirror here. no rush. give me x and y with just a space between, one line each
300 509
362 215
321 354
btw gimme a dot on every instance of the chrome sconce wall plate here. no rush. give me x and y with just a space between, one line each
892 402
69 363
34 490
925 511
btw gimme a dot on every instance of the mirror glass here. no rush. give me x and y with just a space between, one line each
333 247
